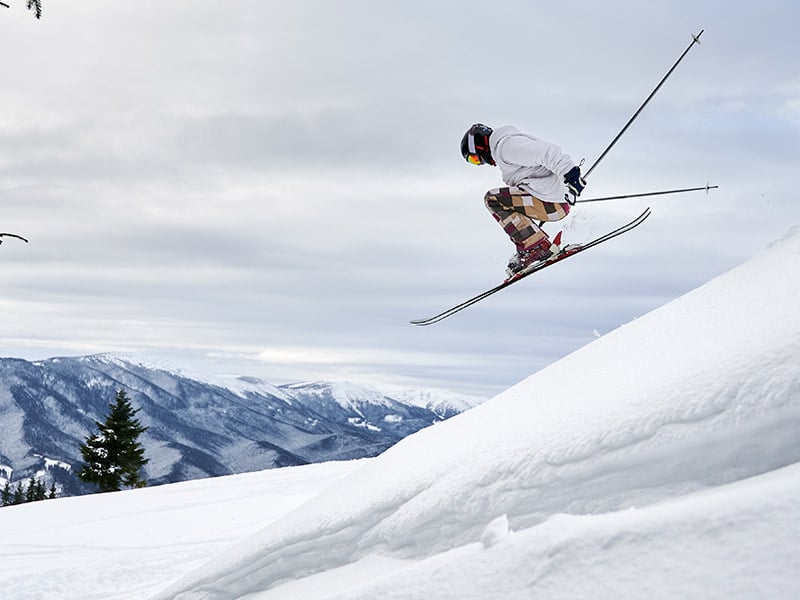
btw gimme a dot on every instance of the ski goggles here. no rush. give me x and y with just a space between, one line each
474 159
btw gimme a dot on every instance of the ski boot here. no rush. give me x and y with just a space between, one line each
525 257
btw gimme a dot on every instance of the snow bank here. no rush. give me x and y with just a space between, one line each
702 392
733 542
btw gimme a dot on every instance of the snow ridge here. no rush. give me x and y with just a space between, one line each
700 393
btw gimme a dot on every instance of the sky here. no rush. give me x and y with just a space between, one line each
275 189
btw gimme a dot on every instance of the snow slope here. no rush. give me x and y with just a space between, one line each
735 541
129 544
619 453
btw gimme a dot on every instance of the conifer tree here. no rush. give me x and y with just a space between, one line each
5 495
30 493
36 7
19 494
41 493
113 457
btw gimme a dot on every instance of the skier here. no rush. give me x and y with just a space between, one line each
539 175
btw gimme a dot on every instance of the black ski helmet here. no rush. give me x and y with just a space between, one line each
475 145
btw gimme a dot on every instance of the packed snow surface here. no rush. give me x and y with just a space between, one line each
129 544
659 461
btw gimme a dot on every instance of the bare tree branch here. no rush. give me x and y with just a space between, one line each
34 5
14 235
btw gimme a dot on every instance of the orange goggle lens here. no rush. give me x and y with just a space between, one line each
475 159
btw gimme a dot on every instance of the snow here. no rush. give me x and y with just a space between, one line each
348 394
52 463
359 422
128 544
439 401
495 532
242 386
351 395
738 541
659 461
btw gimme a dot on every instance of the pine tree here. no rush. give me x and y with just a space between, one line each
19 494
34 492
113 457
41 494
30 493
53 491
36 7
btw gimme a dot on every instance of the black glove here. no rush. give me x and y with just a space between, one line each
574 181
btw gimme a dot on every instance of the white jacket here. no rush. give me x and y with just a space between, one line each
528 162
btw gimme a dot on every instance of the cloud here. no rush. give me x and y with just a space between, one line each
205 181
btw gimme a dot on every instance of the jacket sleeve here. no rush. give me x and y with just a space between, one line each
527 151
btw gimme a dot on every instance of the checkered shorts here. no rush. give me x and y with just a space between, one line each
518 211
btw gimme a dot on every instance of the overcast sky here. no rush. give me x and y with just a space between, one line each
275 188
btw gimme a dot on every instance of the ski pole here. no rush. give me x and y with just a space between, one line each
642 195
695 40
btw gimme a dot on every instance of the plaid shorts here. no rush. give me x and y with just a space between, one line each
518 211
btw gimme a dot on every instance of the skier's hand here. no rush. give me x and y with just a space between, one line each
575 183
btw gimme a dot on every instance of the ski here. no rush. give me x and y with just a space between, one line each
564 254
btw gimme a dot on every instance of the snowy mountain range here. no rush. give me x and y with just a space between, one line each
198 429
